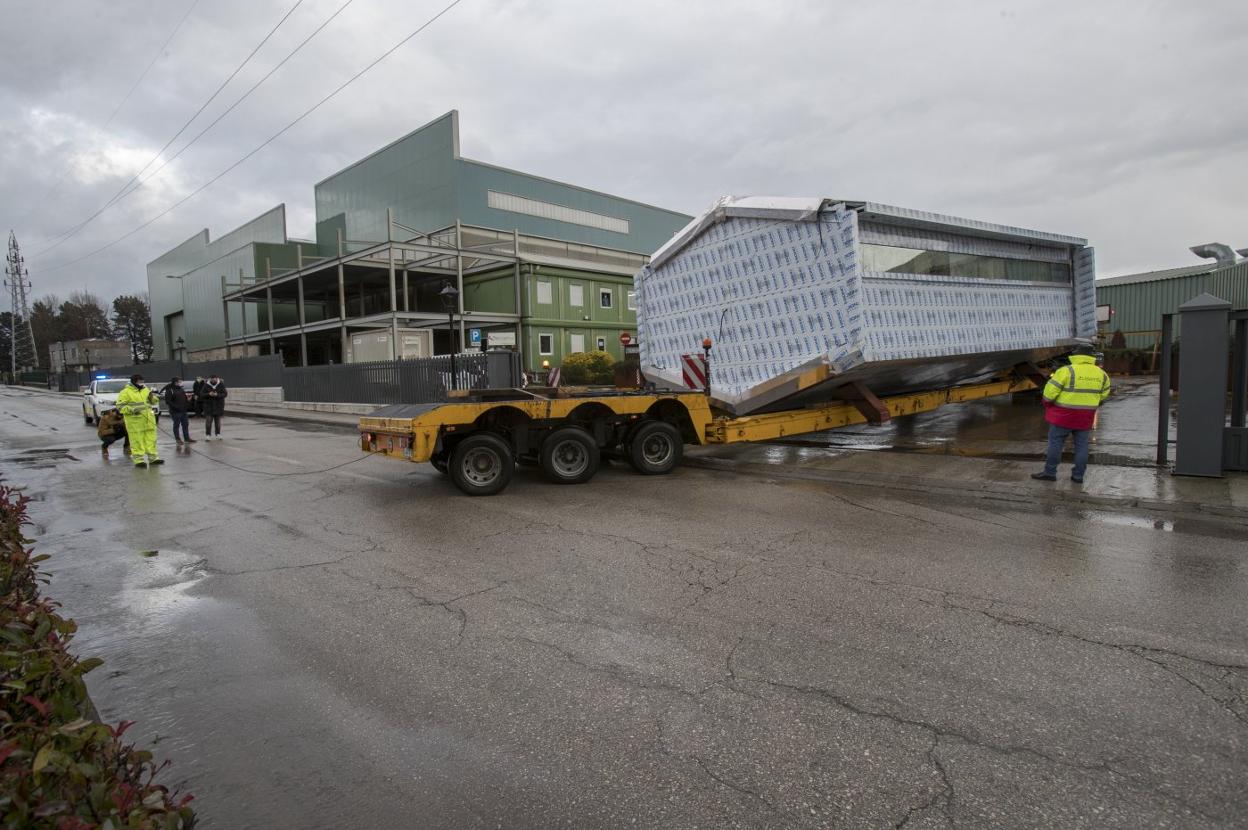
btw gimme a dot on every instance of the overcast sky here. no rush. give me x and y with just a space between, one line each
1122 122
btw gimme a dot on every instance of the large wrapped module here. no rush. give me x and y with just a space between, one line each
802 297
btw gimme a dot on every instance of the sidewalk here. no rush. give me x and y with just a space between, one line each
348 422
252 410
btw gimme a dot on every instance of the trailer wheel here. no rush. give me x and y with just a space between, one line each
481 464
655 448
570 456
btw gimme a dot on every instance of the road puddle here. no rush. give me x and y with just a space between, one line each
1121 520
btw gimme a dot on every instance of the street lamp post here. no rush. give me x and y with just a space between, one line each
450 301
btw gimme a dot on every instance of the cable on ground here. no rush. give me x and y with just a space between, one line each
161 429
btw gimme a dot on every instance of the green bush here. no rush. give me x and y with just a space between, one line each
586 368
60 769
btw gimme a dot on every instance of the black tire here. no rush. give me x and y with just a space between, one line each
655 448
570 456
87 417
482 464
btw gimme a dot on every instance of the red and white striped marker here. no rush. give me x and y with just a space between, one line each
693 371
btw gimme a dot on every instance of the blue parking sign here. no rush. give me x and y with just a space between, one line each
474 336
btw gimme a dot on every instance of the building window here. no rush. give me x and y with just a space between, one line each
605 297
631 299
544 294
549 210
576 295
577 342
545 344
897 260
602 344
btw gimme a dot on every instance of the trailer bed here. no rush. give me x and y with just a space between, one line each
477 440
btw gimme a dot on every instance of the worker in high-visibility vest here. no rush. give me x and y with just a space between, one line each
135 403
1071 398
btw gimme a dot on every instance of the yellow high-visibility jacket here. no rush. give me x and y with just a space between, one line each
136 405
1074 393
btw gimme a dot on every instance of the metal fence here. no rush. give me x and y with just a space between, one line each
420 380
246 371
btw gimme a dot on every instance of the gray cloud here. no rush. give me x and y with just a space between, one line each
1118 121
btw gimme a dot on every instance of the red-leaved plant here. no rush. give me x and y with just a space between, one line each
59 767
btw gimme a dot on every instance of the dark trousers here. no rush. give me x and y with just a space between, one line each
209 421
113 439
181 419
1057 440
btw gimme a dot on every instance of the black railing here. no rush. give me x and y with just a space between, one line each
418 380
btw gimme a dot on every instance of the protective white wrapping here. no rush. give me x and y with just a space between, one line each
778 285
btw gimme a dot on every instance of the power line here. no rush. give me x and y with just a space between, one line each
262 145
65 170
122 193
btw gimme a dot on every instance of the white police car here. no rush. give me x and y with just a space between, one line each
101 396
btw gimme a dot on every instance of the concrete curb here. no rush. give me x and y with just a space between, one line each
299 416
981 490
290 417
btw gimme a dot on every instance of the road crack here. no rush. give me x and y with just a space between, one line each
1230 703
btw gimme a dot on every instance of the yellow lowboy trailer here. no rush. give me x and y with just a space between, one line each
477 440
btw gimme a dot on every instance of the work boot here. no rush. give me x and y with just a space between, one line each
179 442
156 461
1043 477
190 440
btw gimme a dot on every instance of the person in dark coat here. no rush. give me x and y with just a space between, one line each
213 394
197 403
178 404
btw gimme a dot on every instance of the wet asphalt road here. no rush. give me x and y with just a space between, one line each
366 648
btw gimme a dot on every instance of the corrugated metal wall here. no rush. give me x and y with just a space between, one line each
1231 284
1138 306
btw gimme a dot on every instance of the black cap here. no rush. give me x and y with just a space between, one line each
1084 349
136 378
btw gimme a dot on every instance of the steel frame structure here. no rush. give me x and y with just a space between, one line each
408 257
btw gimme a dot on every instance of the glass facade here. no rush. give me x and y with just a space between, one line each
892 259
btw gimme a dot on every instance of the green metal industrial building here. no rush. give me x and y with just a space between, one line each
537 264
1138 301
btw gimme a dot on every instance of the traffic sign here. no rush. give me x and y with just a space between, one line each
474 337
625 338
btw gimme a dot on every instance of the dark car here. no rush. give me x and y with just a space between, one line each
190 399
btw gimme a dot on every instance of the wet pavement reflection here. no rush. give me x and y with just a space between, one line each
367 648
